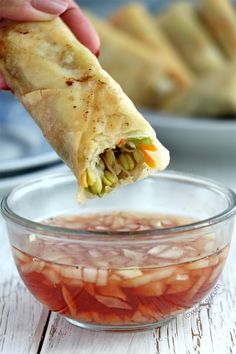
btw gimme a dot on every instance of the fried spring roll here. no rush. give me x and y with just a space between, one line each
135 20
220 17
212 96
181 23
147 79
81 110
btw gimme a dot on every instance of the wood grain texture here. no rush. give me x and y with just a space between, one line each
63 337
19 311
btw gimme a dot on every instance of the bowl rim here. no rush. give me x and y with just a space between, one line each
47 230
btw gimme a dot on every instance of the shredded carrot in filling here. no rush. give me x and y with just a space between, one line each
148 147
122 141
149 160
118 163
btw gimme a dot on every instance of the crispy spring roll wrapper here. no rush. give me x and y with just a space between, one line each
148 79
82 111
220 17
188 34
133 19
212 96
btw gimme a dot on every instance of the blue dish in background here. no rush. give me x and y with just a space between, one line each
104 7
22 145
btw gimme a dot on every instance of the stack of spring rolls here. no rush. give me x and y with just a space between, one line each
82 111
212 56
149 75
176 61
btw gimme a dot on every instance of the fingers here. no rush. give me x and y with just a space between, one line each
3 84
43 10
81 27
32 10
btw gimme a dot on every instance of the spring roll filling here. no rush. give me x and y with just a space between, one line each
117 164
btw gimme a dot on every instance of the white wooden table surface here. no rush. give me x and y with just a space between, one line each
27 328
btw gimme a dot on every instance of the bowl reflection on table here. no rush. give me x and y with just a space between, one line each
158 253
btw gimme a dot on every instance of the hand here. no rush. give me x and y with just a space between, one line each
44 10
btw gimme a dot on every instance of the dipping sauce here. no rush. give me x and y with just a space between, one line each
114 284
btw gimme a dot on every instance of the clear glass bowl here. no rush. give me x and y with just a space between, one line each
121 280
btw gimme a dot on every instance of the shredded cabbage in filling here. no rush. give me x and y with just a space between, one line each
117 164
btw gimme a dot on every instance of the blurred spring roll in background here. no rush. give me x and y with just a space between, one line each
81 110
147 79
135 20
212 96
220 17
187 33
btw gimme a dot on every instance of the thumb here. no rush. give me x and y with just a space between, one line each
32 10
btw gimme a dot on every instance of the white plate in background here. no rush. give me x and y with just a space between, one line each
22 145
212 137
6 184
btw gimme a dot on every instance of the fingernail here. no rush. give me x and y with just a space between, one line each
98 53
50 6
